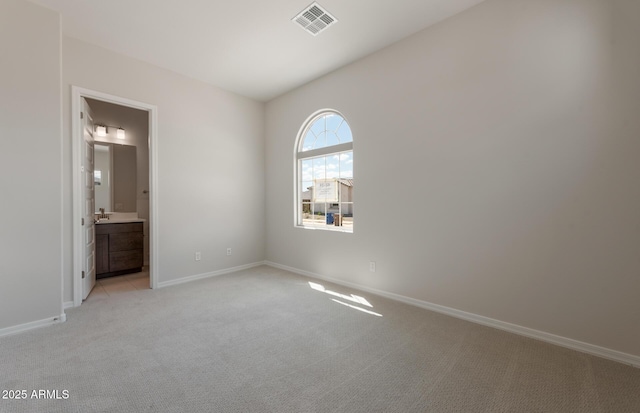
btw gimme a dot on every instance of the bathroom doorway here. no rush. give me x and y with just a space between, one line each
124 181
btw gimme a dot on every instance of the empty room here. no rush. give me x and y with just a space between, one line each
296 206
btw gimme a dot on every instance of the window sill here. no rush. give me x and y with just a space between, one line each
331 228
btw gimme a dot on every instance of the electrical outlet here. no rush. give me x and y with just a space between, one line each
372 266
198 256
228 251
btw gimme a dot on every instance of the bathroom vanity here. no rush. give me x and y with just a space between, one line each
119 247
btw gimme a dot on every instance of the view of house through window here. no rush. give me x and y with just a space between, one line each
324 179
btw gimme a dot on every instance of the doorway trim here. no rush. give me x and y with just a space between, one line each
77 93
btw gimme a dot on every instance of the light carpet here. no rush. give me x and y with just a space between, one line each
263 340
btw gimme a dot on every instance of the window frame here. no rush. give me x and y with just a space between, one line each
299 156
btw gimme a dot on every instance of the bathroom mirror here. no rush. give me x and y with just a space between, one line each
115 177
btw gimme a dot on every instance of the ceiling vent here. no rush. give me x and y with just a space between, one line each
314 19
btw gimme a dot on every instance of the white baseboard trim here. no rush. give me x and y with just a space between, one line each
572 344
67 304
209 274
33 324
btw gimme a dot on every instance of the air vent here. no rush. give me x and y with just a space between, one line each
314 19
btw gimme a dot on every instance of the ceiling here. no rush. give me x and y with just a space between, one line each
249 47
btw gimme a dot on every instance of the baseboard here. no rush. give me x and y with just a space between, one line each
209 274
34 324
68 304
572 344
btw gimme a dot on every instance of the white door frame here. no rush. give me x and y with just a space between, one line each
77 93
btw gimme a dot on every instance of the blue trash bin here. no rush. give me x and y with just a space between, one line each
329 218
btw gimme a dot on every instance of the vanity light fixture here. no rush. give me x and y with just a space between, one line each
101 130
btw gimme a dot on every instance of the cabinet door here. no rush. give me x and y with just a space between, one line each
125 260
102 253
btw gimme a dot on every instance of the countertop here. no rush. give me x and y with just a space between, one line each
119 221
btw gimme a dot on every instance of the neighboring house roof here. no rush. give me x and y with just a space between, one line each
347 182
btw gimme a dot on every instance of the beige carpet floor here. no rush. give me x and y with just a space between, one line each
264 340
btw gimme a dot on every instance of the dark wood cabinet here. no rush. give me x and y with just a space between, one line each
102 253
119 248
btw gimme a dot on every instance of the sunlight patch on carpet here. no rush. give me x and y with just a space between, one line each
353 298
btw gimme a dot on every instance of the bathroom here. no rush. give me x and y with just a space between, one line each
121 195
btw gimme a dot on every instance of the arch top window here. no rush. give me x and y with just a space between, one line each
324 173
329 129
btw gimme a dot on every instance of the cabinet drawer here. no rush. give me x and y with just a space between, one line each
125 241
118 228
124 260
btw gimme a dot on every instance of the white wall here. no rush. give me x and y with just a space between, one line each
496 168
30 164
210 161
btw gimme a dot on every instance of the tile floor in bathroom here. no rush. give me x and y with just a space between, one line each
121 283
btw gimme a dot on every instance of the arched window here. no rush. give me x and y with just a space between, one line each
324 173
